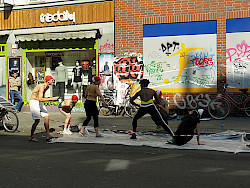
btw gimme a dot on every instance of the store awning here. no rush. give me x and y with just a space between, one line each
57 36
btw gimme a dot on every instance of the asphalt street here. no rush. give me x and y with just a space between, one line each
28 164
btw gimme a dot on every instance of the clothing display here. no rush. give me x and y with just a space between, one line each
60 90
61 77
77 71
61 73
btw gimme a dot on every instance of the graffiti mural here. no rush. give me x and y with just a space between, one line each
128 68
191 101
181 55
238 53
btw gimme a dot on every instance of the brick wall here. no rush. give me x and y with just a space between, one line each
131 15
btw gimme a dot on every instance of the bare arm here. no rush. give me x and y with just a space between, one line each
41 96
133 98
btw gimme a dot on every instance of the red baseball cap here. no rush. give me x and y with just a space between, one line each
96 78
74 98
48 78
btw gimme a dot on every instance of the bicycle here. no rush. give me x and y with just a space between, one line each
8 119
220 107
113 109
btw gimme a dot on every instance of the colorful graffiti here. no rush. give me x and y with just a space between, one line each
238 67
155 69
191 101
128 68
240 53
183 52
167 48
106 47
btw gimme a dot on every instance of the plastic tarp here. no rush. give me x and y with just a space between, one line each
229 141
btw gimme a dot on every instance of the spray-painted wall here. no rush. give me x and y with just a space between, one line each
181 56
238 53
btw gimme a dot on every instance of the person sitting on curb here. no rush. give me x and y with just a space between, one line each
65 108
91 94
187 127
147 107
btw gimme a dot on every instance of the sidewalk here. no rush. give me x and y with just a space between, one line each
241 124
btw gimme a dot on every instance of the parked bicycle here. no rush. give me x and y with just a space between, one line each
220 107
113 109
8 119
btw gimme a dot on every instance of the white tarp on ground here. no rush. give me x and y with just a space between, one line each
228 141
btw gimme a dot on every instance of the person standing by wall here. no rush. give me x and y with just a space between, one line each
15 82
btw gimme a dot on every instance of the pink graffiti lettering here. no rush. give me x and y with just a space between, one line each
106 47
202 62
239 53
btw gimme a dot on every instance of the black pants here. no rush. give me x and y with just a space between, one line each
155 115
91 110
60 90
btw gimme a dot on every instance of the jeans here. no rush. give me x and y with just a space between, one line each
16 94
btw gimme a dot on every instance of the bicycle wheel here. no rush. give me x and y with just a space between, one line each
247 107
106 111
10 121
130 109
219 108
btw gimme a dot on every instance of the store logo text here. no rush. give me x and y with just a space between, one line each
62 17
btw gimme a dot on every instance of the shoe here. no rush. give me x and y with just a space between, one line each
69 132
82 134
98 136
65 132
51 139
158 128
133 136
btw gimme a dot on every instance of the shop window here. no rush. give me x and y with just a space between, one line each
72 70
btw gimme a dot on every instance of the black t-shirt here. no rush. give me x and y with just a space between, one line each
77 74
188 125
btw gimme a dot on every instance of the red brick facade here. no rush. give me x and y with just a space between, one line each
131 15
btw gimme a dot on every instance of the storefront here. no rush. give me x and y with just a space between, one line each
58 39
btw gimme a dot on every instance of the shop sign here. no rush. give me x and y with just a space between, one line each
62 17
50 54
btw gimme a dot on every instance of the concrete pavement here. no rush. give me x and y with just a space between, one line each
124 123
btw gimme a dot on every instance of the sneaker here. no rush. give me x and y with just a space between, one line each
133 136
69 132
65 132
86 131
82 134
158 128
98 136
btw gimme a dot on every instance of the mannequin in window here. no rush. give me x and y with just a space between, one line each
61 78
77 78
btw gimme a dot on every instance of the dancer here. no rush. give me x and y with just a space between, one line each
92 92
147 106
162 107
65 108
187 127
37 108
